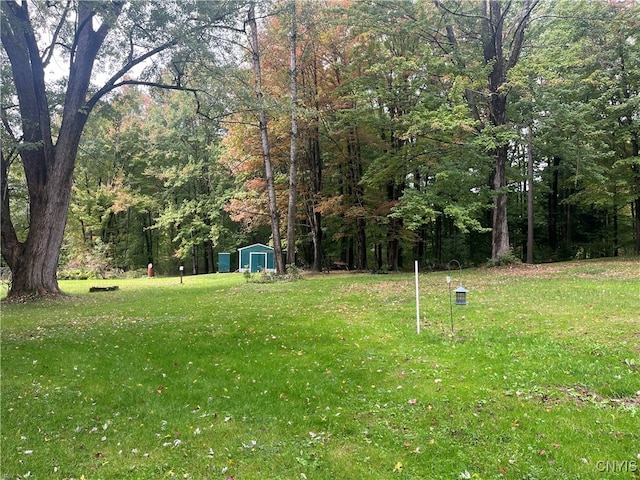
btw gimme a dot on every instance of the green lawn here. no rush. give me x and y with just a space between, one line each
327 378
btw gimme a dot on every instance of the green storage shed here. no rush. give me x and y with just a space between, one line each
256 258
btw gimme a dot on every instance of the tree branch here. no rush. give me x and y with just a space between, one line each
441 5
9 239
164 86
518 41
47 53
111 83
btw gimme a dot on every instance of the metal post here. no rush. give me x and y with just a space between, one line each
449 283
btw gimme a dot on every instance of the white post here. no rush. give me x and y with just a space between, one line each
417 301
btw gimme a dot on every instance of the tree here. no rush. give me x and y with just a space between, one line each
311 19
90 34
583 104
501 45
274 213
48 167
184 160
293 151
111 203
250 203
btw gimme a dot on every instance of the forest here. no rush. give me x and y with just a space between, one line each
364 134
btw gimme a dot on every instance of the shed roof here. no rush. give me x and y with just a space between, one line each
256 245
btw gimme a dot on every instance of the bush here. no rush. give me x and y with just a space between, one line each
137 273
507 258
293 274
86 273
247 276
77 274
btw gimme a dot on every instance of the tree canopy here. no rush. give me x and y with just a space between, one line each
396 131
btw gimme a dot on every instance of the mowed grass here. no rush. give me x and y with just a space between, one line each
327 378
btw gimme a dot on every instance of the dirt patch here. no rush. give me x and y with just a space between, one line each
581 395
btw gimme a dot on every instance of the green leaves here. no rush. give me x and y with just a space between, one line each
493 137
418 209
415 209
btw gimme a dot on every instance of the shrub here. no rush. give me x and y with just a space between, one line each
507 258
293 274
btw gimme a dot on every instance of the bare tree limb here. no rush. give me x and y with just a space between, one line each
47 53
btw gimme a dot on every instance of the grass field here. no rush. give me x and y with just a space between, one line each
327 378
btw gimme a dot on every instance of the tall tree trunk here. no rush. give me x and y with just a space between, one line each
361 259
34 263
494 53
394 230
616 239
313 214
314 167
437 238
209 254
310 161
194 259
266 147
636 202
530 198
554 195
503 62
355 190
636 210
293 170
378 254
148 236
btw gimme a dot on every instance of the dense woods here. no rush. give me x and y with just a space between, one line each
366 133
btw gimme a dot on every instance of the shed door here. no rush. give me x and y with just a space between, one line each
257 261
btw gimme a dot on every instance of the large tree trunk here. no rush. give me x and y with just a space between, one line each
361 236
210 260
48 168
500 227
34 263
